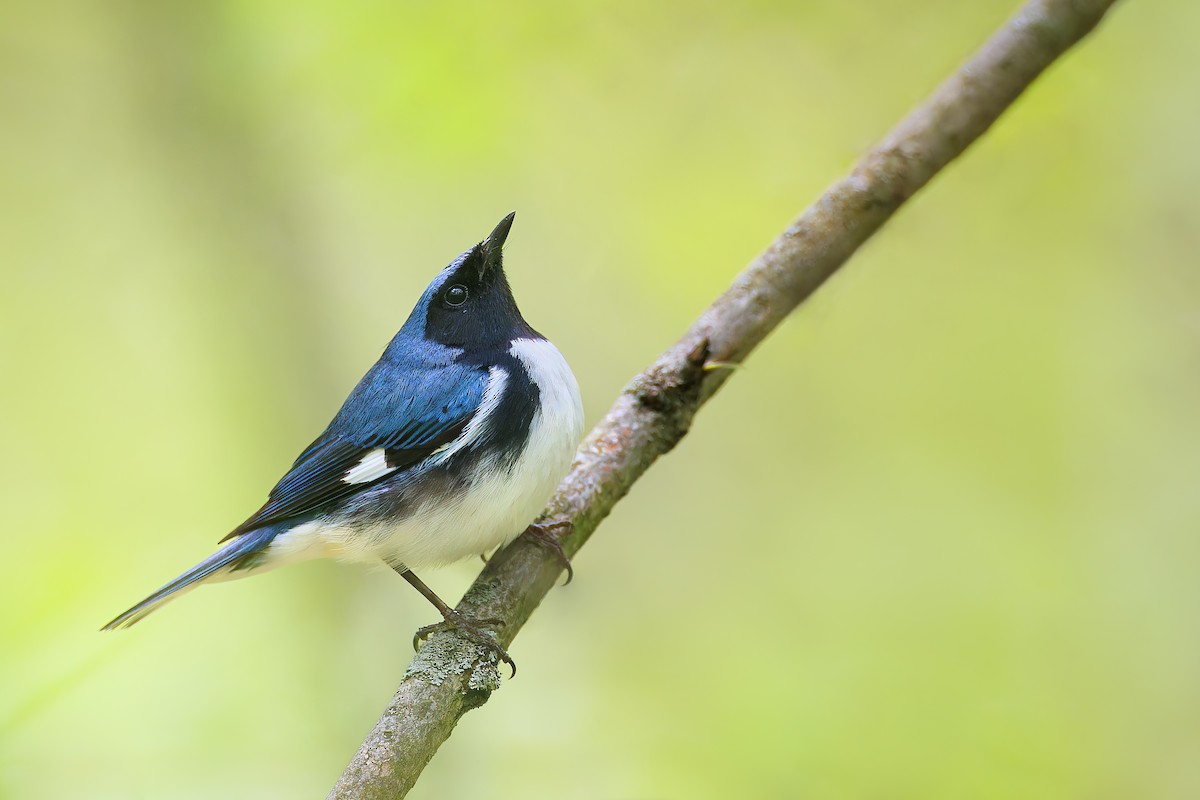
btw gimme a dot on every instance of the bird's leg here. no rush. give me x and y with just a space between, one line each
452 620
541 532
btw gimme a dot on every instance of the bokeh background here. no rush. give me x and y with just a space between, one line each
938 539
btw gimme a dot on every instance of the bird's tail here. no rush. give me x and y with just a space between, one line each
239 554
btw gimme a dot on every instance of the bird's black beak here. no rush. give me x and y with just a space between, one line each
492 247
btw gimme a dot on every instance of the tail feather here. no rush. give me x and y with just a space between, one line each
230 557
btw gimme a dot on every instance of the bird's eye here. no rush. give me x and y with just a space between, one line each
456 295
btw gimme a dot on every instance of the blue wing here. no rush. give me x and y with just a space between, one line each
393 419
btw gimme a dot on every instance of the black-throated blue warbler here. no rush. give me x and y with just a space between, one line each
449 446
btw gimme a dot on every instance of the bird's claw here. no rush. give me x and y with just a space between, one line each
541 532
471 630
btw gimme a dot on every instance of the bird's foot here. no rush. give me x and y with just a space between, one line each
472 630
543 534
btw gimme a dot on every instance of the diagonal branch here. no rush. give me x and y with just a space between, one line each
449 676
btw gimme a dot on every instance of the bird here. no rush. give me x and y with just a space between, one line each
449 446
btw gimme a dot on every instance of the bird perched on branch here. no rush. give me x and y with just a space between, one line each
449 446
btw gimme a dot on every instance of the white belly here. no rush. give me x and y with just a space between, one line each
491 513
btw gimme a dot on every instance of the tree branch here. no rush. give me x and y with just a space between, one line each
450 676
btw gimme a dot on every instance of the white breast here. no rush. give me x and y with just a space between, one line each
556 429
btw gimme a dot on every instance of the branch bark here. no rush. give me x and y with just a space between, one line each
450 676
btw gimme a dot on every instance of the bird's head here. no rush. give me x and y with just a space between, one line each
469 305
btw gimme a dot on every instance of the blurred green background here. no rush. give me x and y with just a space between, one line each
938 538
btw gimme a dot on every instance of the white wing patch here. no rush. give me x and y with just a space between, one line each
372 467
